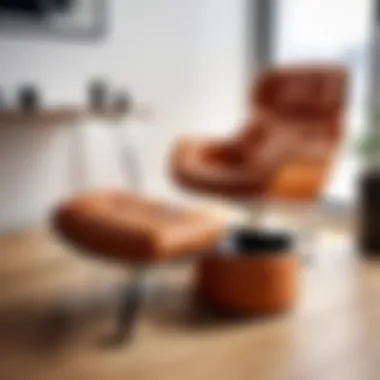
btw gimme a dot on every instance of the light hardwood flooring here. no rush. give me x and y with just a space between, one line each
333 333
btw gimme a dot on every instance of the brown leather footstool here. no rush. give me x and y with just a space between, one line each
256 273
130 228
136 231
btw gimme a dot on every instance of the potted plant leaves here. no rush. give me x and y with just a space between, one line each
369 190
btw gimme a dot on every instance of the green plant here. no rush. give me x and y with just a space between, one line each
369 143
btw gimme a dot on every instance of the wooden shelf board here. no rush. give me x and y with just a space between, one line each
48 116
54 116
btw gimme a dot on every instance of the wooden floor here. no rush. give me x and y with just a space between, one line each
333 333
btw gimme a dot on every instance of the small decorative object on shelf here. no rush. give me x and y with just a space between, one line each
29 98
122 103
98 94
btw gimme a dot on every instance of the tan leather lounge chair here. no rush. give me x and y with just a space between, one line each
283 152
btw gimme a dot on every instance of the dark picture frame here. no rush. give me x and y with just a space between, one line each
26 26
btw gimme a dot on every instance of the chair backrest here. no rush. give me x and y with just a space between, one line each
303 95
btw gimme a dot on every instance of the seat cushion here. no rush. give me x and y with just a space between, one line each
196 166
132 228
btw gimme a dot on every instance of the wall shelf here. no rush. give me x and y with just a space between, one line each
53 116
41 117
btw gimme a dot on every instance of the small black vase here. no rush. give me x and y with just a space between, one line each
98 95
29 98
122 102
369 213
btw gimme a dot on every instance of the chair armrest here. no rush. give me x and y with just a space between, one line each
189 151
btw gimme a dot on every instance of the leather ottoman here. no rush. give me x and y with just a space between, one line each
254 273
135 231
130 228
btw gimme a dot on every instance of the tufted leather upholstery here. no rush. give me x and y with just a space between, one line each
130 228
287 145
302 93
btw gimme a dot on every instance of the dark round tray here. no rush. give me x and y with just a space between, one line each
247 242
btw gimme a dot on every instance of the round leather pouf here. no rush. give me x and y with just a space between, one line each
252 273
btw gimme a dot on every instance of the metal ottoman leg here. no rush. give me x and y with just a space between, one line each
130 302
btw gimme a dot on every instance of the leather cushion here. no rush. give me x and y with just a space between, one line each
197 167
129 227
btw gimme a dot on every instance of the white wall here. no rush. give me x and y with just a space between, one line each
185 57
